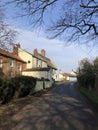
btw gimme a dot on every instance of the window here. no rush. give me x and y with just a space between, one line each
36 63
41 63
0 63
19 67
11 63
28 61
56 76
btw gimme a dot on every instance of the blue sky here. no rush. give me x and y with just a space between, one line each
66 57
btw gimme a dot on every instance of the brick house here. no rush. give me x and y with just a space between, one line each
10 63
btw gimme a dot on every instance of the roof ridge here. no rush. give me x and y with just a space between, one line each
10 54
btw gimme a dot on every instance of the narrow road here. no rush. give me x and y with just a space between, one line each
62 108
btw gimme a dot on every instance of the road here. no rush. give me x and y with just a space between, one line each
62 108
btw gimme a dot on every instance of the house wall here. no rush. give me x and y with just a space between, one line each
9 70
34 62
58 77
26 57
4 64
30 60
39 63
37 74
50 74
66 78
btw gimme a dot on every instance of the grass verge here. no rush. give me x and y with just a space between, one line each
91 96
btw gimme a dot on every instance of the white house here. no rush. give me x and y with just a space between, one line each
58 76
37 64
70 76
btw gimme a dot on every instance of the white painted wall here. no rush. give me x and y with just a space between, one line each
40 63
39 85
66 78
33 62
58 76
37 74
26 57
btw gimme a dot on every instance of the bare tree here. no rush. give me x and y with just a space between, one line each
74 19
7 34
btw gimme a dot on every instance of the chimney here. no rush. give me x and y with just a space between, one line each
35 52
18 45
43 53
15 49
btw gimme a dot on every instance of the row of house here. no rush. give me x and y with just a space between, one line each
60 76
22 62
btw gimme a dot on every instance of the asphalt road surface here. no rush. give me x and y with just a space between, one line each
62 108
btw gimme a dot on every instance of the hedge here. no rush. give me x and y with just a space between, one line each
16 87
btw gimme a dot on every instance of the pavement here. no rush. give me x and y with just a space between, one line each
61 108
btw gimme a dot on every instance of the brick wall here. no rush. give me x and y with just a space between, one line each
11 71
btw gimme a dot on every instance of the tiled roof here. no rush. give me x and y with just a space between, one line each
45 59
50 64
10 55
68 74
38 56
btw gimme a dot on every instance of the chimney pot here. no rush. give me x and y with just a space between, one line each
18 45
43 52
35 52
15 49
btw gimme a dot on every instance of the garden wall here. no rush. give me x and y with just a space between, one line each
40 85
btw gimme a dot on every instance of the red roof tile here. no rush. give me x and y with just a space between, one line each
68 74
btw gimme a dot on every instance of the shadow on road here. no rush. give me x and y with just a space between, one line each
63 108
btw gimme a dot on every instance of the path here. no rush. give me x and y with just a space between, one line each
62 108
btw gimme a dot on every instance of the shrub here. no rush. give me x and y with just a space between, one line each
87 80
16 87
25 85
1 73
8 91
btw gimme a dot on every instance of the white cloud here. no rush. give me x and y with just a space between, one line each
66 58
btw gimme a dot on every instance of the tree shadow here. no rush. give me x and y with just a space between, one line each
63 108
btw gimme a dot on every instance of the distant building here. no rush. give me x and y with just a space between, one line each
60 76
70 76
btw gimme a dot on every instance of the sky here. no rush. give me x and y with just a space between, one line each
65 57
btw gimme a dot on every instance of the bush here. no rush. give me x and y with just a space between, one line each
86 80
7 91
25 86
16 87
1 73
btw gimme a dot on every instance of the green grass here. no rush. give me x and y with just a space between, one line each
89 94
